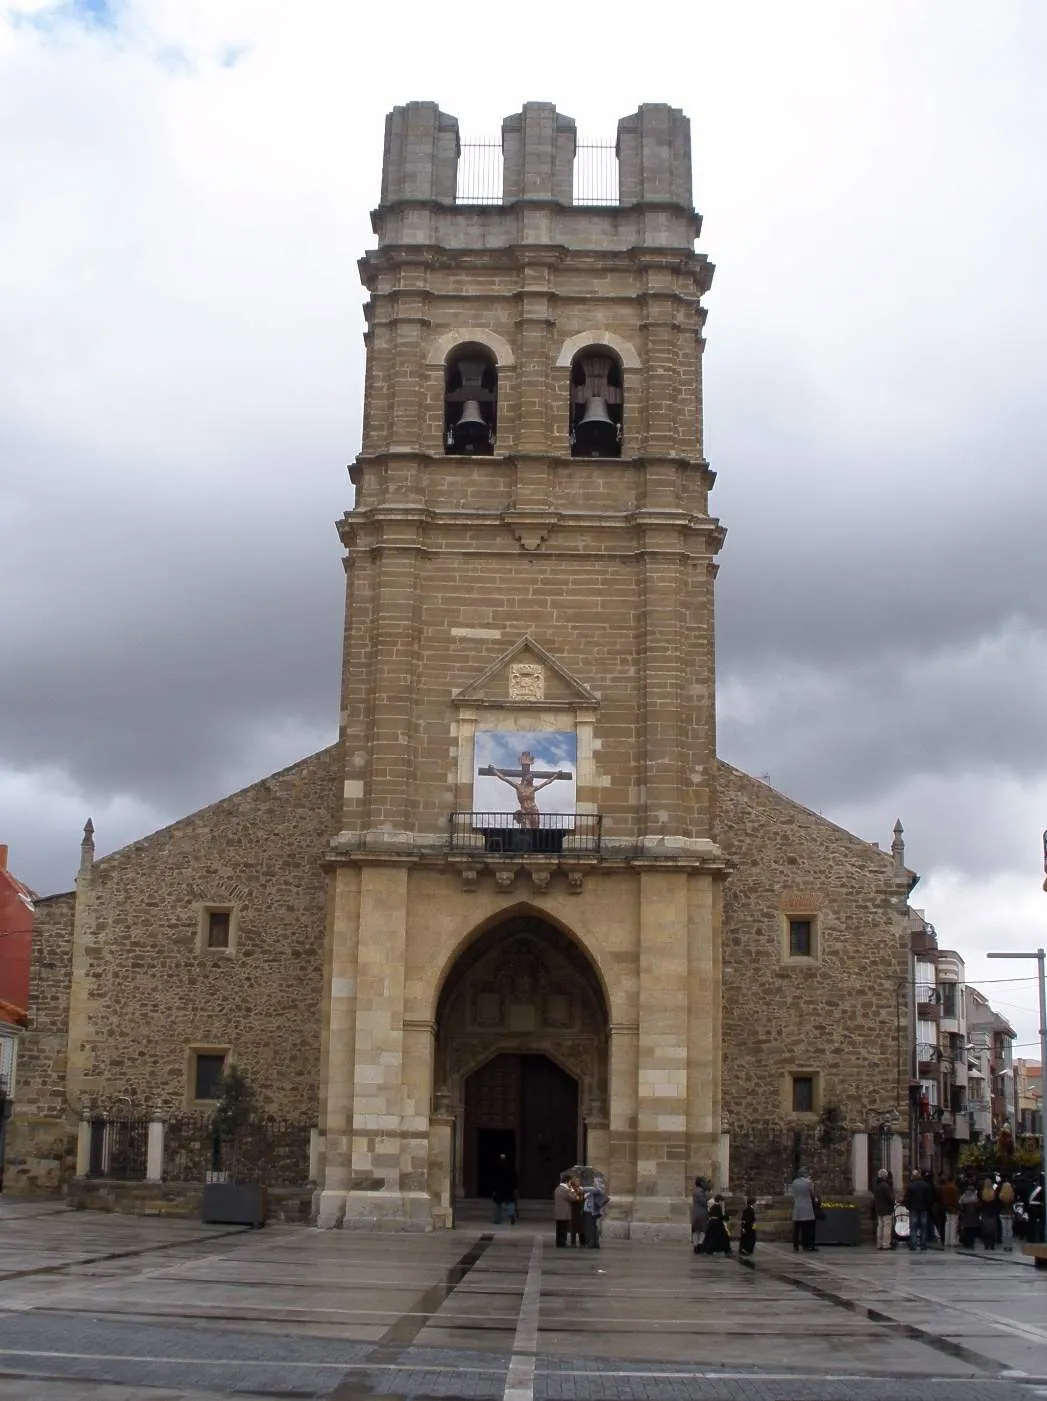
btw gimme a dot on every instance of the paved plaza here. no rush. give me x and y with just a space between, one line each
112 1308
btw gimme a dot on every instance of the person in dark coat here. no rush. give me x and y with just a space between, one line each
990 1221
564 1198
504 1194
747 1234
717 1240
883 1209
935 1215
969 1216
950 1199
919 1198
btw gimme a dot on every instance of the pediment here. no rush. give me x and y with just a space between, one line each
526 675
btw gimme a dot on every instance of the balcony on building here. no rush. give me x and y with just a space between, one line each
499 834
923 939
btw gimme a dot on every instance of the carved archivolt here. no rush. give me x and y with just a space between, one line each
522 997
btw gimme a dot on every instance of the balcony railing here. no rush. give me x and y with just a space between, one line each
499 834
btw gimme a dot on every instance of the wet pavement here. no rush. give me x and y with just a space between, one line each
113 1308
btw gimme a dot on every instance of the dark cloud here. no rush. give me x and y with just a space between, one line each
181 372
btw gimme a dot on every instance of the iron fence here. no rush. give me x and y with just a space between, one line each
499 833
766 1155
880 1141
119 1147
596 173
480 173
272 1151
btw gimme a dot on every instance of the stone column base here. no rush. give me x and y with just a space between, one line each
650 1218
388 1211
329 1209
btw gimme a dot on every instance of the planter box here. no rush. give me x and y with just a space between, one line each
234 1204
842 1225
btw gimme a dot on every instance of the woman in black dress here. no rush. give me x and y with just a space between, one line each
717 1241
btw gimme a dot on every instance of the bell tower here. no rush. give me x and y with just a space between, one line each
527 720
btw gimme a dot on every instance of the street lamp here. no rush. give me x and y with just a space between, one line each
1039 956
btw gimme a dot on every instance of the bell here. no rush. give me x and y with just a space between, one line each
471 433
596 433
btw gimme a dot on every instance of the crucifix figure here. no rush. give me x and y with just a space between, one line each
523 781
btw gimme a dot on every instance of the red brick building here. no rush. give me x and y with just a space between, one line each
16 938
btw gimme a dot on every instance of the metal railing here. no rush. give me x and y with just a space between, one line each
767 1154
500 834
272 1150
119 1147
596 173
480 173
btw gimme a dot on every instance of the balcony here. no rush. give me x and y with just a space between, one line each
928 1009
499 834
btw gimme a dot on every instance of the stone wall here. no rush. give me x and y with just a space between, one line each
40 1144
841 1014
146 991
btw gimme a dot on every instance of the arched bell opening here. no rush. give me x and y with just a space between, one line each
470 401
597 403
521 1059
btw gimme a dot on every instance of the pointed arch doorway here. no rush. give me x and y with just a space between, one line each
521 1056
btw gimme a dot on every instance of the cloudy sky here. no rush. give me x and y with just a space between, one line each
185 189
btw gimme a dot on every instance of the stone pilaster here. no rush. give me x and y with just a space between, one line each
661 1118
377 1119
338 1048
538 146
395 661
663 818
421 154
704 1017
79 1060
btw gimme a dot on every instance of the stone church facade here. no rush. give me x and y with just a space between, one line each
520 906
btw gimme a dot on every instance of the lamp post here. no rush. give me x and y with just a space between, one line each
1039 956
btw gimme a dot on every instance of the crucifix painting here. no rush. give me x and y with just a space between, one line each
514 766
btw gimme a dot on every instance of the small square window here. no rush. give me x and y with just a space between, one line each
208 1069
218 929
803 1094
801 938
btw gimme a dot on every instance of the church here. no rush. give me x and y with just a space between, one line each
520 908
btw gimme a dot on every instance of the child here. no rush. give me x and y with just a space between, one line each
717 1241
747 1238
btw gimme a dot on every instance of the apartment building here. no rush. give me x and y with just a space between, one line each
939 1077
991 1094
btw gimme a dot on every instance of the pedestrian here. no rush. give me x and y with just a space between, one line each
919 1198
593 1208
883 1209
563 1199
717 1237
805 1210
577 1227
950 1197
504 1194
937 1214
1034 1209
747 1234
990 1221
699 1213
969 1214
1005 1211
